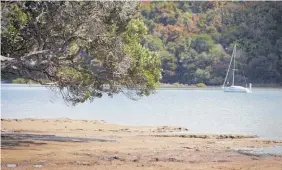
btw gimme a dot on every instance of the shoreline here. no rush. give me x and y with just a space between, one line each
170 86
153 131
63 143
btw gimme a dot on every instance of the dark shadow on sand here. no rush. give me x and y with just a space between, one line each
10 140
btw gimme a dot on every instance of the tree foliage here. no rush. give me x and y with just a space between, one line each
87 48
92 48
198 39
260 36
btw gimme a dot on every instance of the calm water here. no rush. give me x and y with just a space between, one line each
201 111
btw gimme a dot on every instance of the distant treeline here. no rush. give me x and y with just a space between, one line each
195 40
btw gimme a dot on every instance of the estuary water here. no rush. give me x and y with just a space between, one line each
199 110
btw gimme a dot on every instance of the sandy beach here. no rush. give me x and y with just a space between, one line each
90 144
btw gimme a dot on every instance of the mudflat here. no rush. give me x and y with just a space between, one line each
90 144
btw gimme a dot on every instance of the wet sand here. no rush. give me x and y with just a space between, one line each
88 144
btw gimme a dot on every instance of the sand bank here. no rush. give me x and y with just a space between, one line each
90 144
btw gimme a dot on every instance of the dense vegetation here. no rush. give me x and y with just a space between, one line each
92 48
195 40
86 49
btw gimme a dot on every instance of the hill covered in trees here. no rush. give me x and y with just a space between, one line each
195 40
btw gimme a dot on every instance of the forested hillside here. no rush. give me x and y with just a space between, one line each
195 40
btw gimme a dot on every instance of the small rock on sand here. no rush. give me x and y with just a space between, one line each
37 166
11 165
82 163
43 161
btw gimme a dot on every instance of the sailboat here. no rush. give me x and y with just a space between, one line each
233 88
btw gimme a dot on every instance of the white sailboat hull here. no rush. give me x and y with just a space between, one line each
237 89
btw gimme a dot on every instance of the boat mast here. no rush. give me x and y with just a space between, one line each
234 54
229 69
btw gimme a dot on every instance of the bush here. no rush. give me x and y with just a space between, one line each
22 81
19 81
203 43
201 85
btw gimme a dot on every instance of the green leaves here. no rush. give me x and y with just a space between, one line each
135 30
20 18
86 49
213 28
145 64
